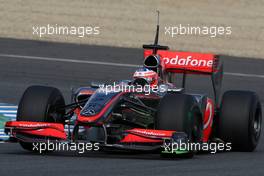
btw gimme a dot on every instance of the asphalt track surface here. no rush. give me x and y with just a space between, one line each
18 72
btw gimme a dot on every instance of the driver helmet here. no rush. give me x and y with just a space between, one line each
149 75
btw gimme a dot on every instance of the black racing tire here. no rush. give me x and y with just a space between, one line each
240 119
180 112
37 105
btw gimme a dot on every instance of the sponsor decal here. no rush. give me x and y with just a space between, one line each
188 61
178 60
33 125
149 133
209 109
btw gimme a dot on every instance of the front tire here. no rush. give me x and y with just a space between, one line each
38 105
180 112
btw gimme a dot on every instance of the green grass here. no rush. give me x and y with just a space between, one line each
3 120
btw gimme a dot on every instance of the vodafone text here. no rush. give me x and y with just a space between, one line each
188 61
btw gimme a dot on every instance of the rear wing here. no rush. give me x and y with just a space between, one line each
158 58
166 61
186 62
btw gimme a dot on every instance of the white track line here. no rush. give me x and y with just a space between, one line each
8 111
10 115
7 107
68 60
244 75
105 63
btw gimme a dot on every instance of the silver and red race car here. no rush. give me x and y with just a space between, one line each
148 113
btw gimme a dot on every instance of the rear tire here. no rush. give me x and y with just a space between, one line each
240 120
180 112
38 105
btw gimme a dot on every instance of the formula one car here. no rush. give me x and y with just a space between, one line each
144 120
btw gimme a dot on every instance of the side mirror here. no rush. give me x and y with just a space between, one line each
96 84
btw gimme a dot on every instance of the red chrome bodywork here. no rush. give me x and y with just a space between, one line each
175 61
54 130
92 119
208 119
132 138
146 135
171 61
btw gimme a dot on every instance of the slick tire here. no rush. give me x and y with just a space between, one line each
240 120
38 105
180 112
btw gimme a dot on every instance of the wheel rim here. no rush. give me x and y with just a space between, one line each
257 124
53 115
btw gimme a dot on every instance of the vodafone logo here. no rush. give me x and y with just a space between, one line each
189 61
